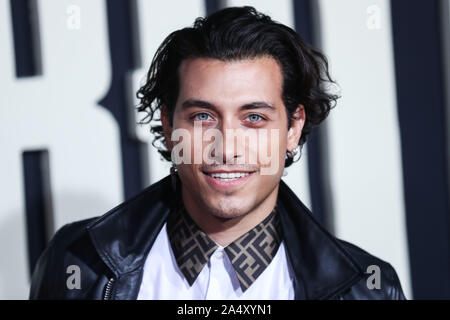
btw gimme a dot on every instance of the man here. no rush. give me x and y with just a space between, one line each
222 225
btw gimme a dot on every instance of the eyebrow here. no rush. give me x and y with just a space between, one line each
190 103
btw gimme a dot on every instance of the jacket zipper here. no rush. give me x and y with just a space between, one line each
108 289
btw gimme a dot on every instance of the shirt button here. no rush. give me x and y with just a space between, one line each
219 255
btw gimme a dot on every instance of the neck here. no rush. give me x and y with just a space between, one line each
224 231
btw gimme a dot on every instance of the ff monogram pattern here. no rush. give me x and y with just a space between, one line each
250 254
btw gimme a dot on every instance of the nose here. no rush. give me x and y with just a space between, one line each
231 148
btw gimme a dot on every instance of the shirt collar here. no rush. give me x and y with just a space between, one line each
250 254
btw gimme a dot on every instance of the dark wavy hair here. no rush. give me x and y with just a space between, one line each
234 34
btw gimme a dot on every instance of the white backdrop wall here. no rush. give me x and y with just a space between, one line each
56 111
364 134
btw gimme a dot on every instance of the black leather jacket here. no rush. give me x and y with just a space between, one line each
111 250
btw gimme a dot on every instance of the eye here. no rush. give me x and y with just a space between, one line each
255 118
202 116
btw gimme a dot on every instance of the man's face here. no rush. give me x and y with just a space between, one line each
241 98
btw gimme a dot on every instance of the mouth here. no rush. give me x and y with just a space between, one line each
228 179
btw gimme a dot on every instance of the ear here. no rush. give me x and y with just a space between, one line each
297 122
167 128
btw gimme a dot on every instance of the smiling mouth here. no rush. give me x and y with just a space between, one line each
229 176
228 179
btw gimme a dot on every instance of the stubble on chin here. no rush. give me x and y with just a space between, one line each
226 209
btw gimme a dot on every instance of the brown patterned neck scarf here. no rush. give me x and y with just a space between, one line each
250 254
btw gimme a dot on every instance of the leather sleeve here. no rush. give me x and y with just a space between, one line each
391 288
396 288
44 276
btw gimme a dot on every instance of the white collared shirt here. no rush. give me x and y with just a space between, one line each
163 280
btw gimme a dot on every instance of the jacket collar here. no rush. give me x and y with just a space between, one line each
322 268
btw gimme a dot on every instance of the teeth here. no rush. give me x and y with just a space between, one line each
229 176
